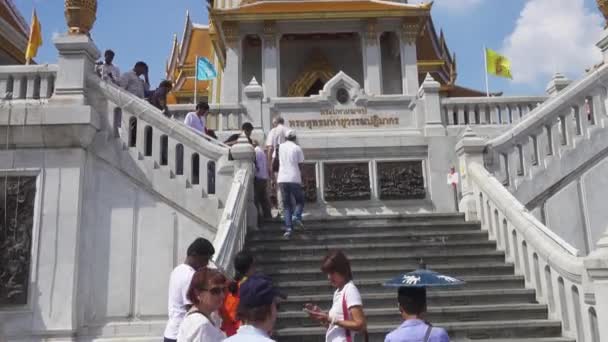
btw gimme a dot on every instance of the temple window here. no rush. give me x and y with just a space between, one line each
390 50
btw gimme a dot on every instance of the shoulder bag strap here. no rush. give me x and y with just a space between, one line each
347 333
427 336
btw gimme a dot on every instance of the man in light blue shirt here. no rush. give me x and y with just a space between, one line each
258 310
412 304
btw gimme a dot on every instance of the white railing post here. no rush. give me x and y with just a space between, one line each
557 84
253 102
469 150
77 55
244 156
596 265
429 93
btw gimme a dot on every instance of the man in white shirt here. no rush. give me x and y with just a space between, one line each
132 83
106 70
199 253
275 137
196 120
289 178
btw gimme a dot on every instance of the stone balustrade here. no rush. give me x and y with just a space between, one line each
549 264
220 117
21 82
551 131
487 110
168 147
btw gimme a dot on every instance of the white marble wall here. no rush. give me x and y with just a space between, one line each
103 249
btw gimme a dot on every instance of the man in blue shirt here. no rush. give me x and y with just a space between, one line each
412 304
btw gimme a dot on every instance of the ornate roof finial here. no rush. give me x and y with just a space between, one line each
80 15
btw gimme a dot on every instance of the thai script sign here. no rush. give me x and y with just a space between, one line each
345 118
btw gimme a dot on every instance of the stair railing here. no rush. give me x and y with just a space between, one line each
549 264
145 123
551 130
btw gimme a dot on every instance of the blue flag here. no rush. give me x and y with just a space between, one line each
204 69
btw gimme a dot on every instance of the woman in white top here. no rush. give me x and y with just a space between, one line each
206 293
346 314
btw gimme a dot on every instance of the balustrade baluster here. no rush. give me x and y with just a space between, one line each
495 114
30 88
46 86
461 115
19 85
556 137
4 88
473 115
483 114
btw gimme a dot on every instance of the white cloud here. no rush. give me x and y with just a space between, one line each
552 36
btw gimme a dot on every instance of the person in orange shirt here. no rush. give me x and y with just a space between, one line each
244 266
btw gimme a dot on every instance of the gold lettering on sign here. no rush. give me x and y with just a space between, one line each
342 122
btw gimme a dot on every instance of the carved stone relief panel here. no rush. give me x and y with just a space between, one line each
17 194
401 180
309 182
346 181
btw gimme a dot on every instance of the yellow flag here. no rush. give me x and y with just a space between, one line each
35 39
497 64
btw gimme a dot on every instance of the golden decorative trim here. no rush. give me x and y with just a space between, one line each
231 32
602 5
80 15
410 31
318 69
269 33
371 33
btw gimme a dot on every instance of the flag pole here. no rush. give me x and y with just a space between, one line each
196 80
485 60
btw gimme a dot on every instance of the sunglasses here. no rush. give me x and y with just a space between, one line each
216 291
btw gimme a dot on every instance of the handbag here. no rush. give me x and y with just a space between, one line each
349 337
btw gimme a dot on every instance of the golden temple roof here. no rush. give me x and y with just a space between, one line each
14 44
311 9
180 69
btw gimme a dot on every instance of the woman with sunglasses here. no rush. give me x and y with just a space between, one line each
206 293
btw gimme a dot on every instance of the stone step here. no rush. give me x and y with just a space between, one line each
376 220
435 298
437 315
373 285
361 249
457 330
397 259
302 236
389 271
369 225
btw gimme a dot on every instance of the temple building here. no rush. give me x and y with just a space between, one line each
385 46
13 34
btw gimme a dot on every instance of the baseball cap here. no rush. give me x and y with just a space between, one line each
257 291
290 133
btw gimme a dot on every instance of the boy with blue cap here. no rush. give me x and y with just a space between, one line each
257 309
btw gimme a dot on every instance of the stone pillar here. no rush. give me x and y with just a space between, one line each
231 84
243 155
253 102
270 61
429 94
409 57
372 60
469 150
596 265
557 84
77 56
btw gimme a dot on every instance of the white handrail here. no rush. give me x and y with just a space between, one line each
551 108
232 228
207 146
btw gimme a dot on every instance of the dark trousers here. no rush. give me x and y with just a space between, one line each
169 340
261 198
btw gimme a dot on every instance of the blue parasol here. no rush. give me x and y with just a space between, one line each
423 278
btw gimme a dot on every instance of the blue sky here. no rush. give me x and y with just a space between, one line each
539 36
